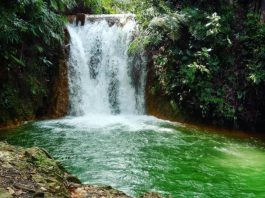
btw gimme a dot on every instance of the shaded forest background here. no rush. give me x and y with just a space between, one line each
206 58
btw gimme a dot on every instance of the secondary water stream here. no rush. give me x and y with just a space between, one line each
107 139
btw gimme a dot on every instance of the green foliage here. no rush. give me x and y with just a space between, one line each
30 46
98 6
208 60
60 5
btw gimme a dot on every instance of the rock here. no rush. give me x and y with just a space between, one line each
151 195
19 192
29 171
71 18
39 195
73 179
84 191
80 17
10 190
46 152
60 100
43 189
23 187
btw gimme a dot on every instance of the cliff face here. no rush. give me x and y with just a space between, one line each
58 106
59 103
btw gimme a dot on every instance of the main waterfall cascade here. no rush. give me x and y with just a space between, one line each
103 78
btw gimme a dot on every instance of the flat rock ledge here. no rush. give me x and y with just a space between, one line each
33 173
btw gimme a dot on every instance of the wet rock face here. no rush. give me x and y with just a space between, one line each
71 18
58 106
60 101
80 17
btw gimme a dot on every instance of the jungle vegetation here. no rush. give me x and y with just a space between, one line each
208 58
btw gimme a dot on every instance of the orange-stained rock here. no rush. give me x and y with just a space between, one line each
16 123
80 17
71 18
60 102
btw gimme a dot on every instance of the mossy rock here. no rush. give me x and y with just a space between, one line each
32 172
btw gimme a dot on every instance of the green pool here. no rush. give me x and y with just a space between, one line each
138 154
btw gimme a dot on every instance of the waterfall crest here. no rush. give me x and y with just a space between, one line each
103 78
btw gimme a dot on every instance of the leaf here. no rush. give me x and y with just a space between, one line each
18 61
39 48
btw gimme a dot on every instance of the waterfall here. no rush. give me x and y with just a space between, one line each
103 78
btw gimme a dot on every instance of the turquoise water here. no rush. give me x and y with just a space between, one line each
138 154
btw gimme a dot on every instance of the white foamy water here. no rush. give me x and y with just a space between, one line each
103 79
